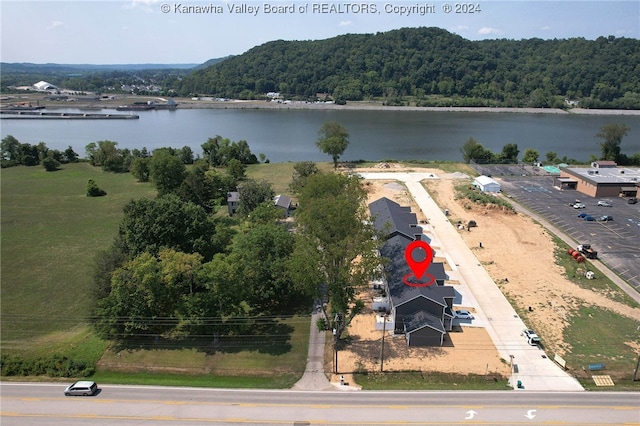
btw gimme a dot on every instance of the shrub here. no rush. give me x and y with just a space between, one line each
50 164
93 190
321 323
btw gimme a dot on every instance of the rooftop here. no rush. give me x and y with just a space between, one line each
617 175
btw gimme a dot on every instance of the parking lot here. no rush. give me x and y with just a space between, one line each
617 242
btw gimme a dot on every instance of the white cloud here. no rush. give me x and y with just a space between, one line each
489 31
54 24
345 24
142 4
545 28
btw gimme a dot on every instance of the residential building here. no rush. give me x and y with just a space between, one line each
423 314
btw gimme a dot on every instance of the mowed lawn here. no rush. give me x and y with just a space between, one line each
51 234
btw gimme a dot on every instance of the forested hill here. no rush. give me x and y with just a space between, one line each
432 66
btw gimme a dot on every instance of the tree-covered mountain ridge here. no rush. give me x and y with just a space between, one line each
431 66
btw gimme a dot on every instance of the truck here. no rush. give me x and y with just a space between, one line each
531 337
587 251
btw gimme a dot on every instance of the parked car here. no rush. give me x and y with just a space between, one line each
531 336
605 218
81 388
632 200
579 206
604 204
582 215
462 314
589 218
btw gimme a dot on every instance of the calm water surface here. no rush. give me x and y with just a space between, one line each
290 135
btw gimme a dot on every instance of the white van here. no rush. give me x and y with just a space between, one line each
81 388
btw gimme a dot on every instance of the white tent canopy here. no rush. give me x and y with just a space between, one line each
43 85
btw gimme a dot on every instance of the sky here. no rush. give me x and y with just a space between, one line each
192 32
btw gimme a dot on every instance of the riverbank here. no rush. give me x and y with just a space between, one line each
379 106
217 103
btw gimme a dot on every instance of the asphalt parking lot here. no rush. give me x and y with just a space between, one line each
617 242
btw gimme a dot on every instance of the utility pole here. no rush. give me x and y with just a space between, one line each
384 331
337 320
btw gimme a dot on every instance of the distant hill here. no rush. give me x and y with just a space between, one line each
211 62
45 68
109 78
431 66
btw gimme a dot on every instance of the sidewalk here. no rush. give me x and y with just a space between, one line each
534 369
314 378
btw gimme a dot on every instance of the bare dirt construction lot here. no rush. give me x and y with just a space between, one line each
513 246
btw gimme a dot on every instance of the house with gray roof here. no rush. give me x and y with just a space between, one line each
407 301
233 202
423 314
283 202
393 219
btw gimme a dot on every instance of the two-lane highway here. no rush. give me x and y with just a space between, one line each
41 403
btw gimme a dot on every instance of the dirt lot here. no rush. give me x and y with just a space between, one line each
512 246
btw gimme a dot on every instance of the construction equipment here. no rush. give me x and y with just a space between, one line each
587 251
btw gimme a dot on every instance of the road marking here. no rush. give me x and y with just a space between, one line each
470 414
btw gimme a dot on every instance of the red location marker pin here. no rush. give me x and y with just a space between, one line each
418 267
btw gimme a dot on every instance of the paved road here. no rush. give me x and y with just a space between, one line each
41 403
533 369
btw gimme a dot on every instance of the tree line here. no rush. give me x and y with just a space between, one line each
610 134
15 153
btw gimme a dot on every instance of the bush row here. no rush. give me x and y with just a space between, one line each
52 366
472 193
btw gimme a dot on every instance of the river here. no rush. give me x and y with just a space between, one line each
290 135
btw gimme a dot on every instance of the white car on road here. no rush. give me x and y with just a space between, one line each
531 336
462 314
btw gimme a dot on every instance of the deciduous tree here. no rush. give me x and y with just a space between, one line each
333 140
530 156
611 135
252 193
510 153
301 171
167 171
147 294
336 250
166 222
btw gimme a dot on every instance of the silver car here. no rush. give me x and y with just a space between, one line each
462 314
81 388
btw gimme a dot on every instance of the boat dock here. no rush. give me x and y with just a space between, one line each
18 114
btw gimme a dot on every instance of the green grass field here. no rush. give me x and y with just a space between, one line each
51 232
